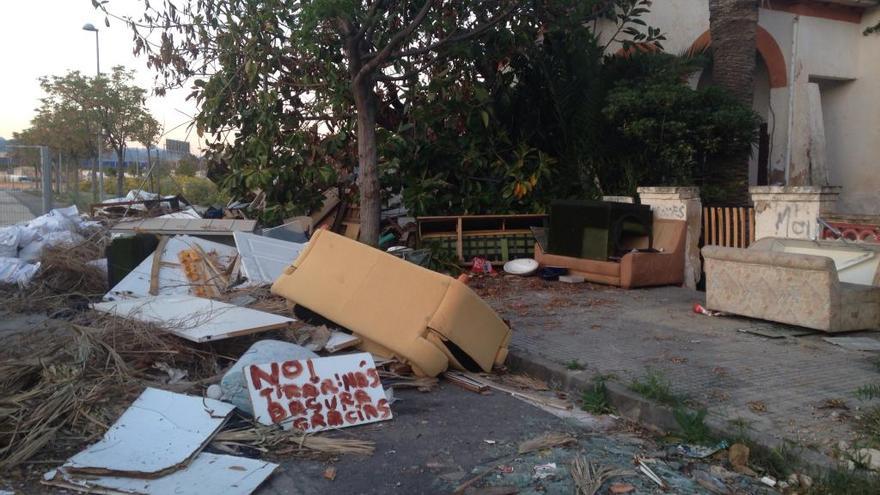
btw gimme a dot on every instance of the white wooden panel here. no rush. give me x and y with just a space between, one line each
172 280
159 432
207 474
194 318
263 259
171 226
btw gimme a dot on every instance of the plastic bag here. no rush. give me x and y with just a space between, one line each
16 271
9 239
34 250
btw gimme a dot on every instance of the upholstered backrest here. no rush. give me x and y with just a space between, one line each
393 303
669 235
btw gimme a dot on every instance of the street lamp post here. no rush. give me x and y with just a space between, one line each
99 167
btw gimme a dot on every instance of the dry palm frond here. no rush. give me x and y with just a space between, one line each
546 441
279 441
63 393
588 478
64 280
525 381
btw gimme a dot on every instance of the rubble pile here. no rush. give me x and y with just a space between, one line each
187 354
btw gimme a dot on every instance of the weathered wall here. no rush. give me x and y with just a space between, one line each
791 211
834 54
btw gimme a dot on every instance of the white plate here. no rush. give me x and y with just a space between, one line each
521 266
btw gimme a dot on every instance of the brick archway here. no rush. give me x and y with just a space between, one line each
767 47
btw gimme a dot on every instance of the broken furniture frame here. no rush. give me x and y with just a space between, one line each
498 238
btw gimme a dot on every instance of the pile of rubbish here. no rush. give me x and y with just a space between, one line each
23 245
171 335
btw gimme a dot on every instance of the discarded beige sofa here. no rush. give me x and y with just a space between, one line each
398 309
635 269
794 288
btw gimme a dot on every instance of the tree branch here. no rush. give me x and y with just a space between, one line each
370 19
398 38
464 36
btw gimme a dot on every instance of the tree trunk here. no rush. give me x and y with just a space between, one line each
95 166
58 175
120 171
733 26
368 173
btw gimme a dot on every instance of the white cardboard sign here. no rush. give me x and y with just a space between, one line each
318 394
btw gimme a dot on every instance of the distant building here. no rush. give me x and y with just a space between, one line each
138 156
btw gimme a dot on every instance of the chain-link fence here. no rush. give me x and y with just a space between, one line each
22 194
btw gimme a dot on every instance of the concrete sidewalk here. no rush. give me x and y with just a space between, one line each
15 206
777 386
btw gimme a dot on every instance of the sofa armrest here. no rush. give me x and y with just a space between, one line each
648 269
770 258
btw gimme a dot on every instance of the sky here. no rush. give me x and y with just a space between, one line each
45 37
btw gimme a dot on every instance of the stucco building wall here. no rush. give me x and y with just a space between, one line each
832 53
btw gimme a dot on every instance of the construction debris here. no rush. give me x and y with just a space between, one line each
188 226
588 477
160 433
195 318
155 448
465 382
207 473
546 441
264 259
288 442
179 266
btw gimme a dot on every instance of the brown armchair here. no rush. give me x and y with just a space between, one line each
636 269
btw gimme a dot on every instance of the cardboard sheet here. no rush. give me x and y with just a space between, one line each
263 259
195 318
158 434
191 226
318 394
208 473
172 280
855 343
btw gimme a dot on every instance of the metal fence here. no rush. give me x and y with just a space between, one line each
27 183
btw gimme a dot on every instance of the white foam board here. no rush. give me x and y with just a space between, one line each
207 474
195 318
191 226
157 434
263 259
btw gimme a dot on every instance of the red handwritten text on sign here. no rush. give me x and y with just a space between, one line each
318 394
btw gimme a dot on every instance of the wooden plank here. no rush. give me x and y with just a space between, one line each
735 224
157 264
726 226
190 226
194 318
465 382
742 226
751 225
713 226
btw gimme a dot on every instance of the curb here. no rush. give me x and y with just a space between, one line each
632 406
